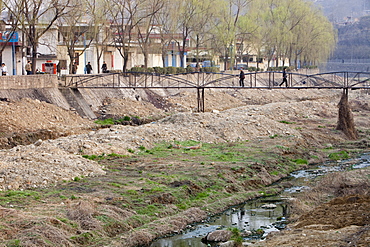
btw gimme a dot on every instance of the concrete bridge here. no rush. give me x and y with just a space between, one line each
200 81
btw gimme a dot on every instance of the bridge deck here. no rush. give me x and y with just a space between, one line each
253 80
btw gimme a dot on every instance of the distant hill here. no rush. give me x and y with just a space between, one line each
339 11
352 20
354 40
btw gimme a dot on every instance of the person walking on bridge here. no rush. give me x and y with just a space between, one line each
285 76
241 78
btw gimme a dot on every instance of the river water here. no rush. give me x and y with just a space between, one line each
265 213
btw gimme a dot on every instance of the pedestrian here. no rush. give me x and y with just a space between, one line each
241 78
104 67
4 69
88 68
28 68
74 68
285 80
58 69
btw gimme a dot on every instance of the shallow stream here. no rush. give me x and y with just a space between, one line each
266 213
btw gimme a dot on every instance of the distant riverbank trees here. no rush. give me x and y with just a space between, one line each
293 31
278 30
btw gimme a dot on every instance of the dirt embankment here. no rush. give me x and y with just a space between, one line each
284 120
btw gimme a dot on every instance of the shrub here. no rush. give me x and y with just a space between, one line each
159 70
126 118
180 70
137 69
190 69
171 70
150 70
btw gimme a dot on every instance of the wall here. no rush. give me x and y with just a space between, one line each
28 81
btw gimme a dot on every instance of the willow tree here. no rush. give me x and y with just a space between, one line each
185 17
289 27
99 28
226 27
314 40
205 12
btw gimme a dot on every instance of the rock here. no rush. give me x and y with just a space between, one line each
268 206
38 142
218 236
227 244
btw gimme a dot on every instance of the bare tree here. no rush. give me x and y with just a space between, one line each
99 28
75 30
36 17
124 22
146 26
166 28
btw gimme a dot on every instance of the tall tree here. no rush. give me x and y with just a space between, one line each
76 31
166 29
147 28
36 18
99 28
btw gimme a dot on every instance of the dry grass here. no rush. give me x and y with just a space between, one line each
44 235
345 119
82 212
337 184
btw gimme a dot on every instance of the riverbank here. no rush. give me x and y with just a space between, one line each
333 210
151 180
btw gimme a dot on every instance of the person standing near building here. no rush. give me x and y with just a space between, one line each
28 68
4 69
88 68
241 78
104 67
74 68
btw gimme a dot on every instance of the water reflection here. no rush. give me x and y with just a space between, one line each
246 217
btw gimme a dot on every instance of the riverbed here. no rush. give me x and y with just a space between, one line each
268 214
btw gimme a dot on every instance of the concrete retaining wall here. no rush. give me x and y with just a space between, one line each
28 81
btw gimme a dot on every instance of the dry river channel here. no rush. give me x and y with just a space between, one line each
268 214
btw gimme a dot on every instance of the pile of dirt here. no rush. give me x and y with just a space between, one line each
29 115
26 121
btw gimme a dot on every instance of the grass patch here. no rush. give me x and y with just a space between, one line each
301 161
19 197
339 155
286 122
111 121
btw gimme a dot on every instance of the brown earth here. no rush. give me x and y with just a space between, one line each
309 118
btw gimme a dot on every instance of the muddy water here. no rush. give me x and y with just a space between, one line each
267 213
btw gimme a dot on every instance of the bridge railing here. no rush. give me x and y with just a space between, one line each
267 79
